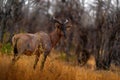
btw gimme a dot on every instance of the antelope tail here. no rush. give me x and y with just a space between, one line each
15 50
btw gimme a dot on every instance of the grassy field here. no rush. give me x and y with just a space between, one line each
55 69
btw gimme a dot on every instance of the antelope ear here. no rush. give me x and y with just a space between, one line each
57 25
68 27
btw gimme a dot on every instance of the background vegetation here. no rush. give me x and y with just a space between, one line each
95 31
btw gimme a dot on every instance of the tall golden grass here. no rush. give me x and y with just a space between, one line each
54 70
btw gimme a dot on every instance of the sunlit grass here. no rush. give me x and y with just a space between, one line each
55 69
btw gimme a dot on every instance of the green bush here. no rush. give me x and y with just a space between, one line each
63 56
6 48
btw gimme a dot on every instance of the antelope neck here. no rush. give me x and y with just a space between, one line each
55 37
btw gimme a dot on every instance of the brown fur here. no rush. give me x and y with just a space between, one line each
40 42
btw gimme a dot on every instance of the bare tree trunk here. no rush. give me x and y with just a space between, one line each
3 27
6 8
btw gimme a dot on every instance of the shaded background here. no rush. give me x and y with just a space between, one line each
95 25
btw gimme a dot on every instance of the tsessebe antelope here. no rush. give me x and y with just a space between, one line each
40 42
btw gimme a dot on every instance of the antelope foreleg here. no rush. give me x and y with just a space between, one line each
43 60
36 61
37 52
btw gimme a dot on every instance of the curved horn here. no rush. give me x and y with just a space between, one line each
66 21
55 20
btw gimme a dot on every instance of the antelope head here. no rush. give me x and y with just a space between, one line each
61 26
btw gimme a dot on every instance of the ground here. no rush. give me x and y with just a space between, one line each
55 69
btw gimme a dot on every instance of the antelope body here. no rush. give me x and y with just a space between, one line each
40 42
27 43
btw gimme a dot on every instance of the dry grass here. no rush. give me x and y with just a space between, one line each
54 70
